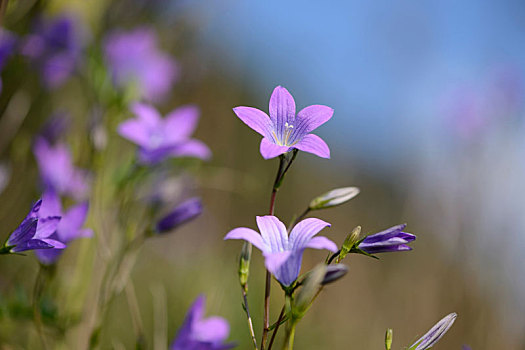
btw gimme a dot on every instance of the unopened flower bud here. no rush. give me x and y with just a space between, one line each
244 263
308 291
334 198
334 272
349 242
435 333
389 334
183 213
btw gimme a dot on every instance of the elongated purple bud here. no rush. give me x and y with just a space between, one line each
435 333
333 273
186 211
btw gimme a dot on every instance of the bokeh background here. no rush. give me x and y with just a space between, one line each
429 124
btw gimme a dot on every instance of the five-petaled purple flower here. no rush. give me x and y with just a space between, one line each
184 212
33 233
389 240
283 254
135 61
199 333
69 227
57 171
283 130
160 138
55 46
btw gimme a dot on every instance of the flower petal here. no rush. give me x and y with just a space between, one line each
213 329
32 244
273 232
147 114
322 243
275 260
181 123
51 205
248 235
135 131
313 144
311 117
271 150
282 110
46 226
192 148
385 234
255 119
72 221
303 232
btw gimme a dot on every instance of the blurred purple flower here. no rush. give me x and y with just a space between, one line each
33 233
55 47
435 333
389 240
199 333
7 47
466 347
134 59
283 254
57 170
69 228
283 130
184 212
159 138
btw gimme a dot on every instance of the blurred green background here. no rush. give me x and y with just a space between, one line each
428 124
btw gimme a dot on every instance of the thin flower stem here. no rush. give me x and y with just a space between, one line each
37 293
267 289
250 323
278 324
299 218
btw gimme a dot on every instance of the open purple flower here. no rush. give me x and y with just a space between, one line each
435 333
69 227
33 233
57 170
199 333
55 47
135 61
283 254
184 212
160 138
389 240
283 130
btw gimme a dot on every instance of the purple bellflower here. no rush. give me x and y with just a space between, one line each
160 138
57 171
435 333
283 131
69 227
184 212
33 233
199 333
389 240
7 47
55 47
135 60
283 254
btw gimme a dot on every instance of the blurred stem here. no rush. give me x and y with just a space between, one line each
3 9
135 314
290 335
284 166
299 218
277 325
38 289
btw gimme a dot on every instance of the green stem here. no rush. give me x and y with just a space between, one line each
37 294
290 335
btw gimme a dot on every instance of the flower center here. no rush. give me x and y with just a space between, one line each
285 137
